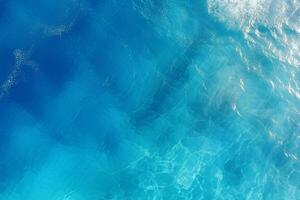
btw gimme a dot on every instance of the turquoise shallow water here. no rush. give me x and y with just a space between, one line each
149 99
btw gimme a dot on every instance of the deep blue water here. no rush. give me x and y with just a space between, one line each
149 99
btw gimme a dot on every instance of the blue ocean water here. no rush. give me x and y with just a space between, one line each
149 99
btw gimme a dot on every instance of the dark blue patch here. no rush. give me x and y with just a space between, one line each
80 27
3 7
7 62
174 77
26 93
233 171
55 62
279 158
110 144
95 4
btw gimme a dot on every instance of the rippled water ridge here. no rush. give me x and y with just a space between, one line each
149 99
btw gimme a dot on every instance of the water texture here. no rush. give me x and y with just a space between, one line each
149 99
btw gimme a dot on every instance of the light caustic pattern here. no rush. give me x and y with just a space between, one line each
149 99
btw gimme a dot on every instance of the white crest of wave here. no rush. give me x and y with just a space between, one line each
235 12
270 25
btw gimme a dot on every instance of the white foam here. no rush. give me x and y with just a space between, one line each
235 12
22 58
280 19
